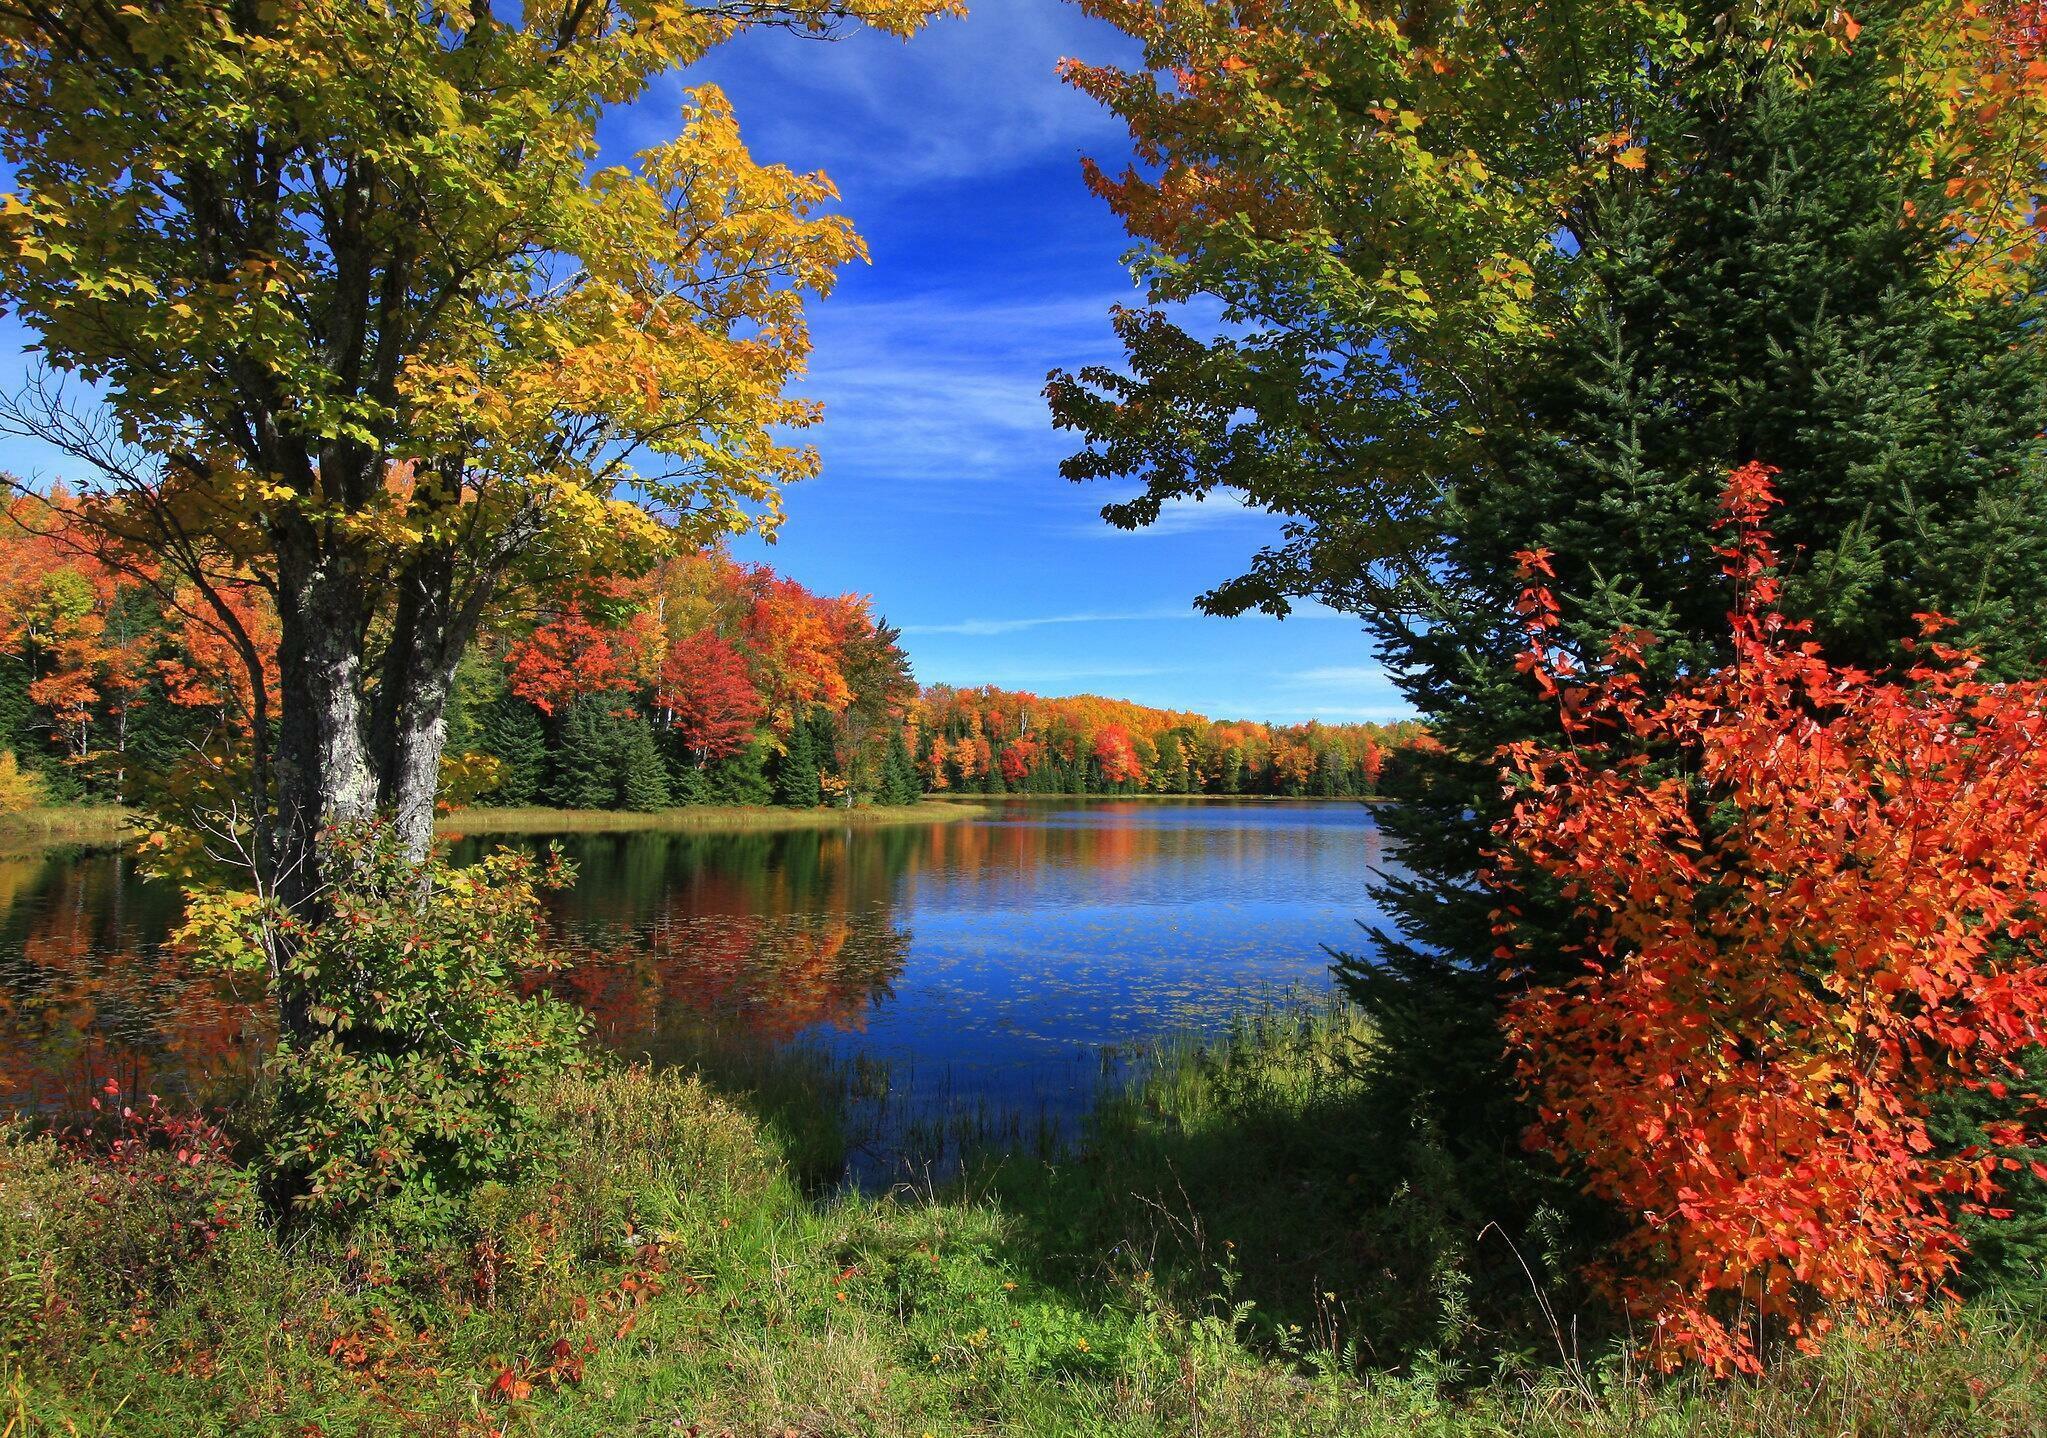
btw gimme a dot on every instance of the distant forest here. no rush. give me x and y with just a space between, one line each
704 681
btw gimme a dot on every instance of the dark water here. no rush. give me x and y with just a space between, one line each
997 965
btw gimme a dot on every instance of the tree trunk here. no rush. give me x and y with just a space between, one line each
324 774
410 732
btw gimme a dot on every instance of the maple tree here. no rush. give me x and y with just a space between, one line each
366 324
1116 756
795 641
708 698
566 658
1807 904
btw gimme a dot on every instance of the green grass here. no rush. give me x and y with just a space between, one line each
666 1270
705 818
59 824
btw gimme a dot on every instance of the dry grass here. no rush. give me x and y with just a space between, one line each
708 819
57 824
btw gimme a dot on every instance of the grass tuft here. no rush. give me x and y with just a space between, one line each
665 1270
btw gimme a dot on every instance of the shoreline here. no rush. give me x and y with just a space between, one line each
718 818
100 825
50 826
971 798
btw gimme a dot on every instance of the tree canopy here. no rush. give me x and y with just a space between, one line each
1393 209
340 302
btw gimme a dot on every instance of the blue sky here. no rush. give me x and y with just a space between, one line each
958 155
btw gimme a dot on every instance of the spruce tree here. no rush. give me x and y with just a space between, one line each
742 779
511 731
688 781
899 783
796 772
585 757
1784 308
642 778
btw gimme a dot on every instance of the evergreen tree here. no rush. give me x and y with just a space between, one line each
511 731
899 783
742 779
796 772
824 742
585 757
1783 309
642 778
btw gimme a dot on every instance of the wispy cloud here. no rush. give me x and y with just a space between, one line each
986 627
958 125
1031 674
1183 516
948 387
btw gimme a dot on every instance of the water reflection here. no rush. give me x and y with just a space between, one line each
987 963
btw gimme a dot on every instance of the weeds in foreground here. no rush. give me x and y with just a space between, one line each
663 1271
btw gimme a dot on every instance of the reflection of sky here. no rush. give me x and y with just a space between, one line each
1031 943
985 962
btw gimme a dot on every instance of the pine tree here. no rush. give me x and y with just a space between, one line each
742 779
511 731
1778 310
899 784
824 741
585 757
796 772
642 778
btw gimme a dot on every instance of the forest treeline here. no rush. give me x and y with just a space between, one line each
703 681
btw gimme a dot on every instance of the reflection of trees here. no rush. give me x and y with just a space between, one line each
771 977
773 933
88 994
770 933
762 933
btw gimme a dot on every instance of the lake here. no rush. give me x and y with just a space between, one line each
1004 965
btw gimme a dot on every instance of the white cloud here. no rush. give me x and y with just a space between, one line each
972 676
949 387
987 627
964 99
1183 516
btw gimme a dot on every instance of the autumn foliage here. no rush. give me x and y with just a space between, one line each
1806 901
989 739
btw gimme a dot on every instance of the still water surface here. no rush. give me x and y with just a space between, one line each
998 964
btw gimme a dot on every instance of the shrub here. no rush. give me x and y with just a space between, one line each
19 788
102 1224
415 1072
1808 901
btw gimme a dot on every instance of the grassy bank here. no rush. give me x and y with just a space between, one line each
704 819
85 824
972 798
662 1272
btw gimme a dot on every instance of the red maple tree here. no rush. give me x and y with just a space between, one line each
1117 754
566 658
708 696
1809 901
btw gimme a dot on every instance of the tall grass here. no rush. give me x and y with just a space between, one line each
695 818
665 1269
26 829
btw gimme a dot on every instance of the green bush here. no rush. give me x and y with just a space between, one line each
412 1077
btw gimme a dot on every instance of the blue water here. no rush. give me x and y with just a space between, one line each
1000 964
